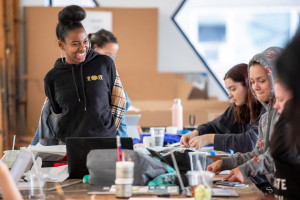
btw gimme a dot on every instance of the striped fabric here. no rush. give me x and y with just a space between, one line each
118 101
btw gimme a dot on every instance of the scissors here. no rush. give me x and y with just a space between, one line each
192 119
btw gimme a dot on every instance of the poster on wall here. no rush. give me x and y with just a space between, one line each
96 20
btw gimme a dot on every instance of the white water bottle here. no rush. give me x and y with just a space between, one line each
177 113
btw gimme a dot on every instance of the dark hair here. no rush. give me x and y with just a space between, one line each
253 62
250 111
288 70
69 19
102 37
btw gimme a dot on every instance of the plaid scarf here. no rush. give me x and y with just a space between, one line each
118 101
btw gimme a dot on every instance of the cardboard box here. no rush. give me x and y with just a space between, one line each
159 113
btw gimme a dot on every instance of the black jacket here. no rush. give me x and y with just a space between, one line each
287 164
82 93
238 137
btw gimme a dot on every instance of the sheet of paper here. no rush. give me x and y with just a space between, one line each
50 149
52 174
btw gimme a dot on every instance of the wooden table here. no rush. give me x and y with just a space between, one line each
79 191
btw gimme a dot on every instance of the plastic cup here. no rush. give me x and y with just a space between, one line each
197 158
10 157
37 183
158 135
148 141
200 183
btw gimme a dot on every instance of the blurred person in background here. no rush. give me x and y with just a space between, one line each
105 43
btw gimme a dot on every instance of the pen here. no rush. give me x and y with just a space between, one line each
119 148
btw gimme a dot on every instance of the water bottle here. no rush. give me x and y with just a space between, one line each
177 113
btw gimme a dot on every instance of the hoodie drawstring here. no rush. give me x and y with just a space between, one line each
82 82
75 83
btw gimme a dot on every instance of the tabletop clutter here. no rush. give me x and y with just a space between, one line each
149 166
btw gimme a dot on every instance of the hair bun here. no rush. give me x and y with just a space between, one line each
71 14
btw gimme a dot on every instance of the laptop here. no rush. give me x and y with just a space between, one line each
79 147
132 122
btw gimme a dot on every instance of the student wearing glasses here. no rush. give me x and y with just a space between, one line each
105 43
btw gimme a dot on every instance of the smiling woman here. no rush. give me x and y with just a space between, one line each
83 87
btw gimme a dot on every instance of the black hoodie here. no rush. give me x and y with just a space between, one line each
82 93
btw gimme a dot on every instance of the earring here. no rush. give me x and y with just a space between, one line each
62 59
90 47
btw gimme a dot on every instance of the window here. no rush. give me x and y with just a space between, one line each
224 36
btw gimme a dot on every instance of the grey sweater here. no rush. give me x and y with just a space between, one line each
259 161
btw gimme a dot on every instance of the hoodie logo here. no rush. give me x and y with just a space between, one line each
94 78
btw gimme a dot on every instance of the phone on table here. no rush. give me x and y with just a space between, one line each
228 183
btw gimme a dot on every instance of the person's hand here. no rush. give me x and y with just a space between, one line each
215 167
235 175
185 139
201 141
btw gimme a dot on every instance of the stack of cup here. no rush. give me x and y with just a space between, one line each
124 178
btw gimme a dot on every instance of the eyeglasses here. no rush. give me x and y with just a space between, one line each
113 57
110 55
107 53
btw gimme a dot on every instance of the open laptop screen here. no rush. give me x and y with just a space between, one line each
79 147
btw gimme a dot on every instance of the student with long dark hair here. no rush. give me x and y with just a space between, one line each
285 142
237 127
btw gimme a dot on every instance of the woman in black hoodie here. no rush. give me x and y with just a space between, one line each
83 86
285 141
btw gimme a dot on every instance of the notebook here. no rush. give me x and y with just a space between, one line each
79 147
132 122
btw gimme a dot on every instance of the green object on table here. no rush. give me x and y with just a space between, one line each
86 179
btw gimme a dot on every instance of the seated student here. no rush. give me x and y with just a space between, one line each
7 185
258 161
285 142
237 127
105 43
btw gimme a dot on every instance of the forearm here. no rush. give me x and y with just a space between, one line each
261 164
7 185
239 158
241 142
